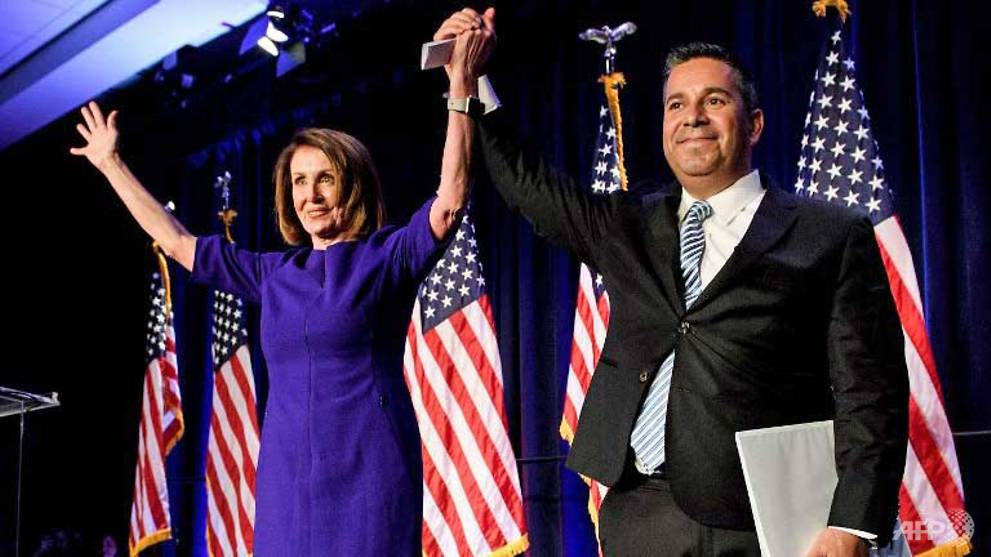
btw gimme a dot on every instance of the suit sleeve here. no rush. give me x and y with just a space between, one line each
870 387
559 210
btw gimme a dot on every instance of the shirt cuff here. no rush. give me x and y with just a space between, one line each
487 94
859 533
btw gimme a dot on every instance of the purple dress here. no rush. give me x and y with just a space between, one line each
340 471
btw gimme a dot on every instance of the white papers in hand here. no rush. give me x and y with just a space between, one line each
436 53
791 475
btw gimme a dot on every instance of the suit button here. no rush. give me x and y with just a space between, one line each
643 376
381 400
683 327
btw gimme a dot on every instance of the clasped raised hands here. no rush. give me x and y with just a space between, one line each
476 38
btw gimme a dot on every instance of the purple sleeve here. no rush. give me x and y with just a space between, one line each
414 248
228 267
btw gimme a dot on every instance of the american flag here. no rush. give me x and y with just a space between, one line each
592 306
840 162
232 452
161 422
472 503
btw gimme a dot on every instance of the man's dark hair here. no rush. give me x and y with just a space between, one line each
744 80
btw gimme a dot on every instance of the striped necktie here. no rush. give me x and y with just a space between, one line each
647 438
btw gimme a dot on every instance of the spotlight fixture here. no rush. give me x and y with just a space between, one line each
286 24
277 25
268 45
275 34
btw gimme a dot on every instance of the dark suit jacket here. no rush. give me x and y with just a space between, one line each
799 325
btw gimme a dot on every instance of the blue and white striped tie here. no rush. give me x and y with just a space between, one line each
647 439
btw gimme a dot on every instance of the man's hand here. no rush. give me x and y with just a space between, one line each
837 543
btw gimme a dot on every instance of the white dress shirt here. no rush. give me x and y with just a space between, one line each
733 210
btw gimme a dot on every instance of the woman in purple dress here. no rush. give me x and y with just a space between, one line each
340 468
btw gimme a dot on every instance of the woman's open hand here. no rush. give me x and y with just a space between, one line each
100 134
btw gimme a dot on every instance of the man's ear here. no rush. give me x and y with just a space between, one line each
756 126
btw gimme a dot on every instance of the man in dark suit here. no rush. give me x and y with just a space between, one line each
733 306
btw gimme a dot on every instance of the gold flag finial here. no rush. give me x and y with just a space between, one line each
227 217
819 7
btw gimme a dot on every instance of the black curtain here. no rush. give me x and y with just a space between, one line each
77 261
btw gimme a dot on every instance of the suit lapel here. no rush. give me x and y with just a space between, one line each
661 218
773 218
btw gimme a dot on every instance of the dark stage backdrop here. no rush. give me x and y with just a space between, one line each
77 266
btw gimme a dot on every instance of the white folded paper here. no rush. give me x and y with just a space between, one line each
790 473
436 53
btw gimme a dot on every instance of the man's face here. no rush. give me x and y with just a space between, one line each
708 134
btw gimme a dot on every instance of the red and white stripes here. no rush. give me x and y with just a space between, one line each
472 498
591 324
931 489
160 429
232 458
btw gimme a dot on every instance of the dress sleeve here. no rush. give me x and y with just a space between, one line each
228 267
413 248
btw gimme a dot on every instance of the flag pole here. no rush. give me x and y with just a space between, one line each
163 266
232 373
226 214
612 81
161 386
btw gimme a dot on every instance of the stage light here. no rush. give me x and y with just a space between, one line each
283 32
268 46
277 35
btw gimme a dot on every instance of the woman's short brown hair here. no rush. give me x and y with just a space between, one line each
359 196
